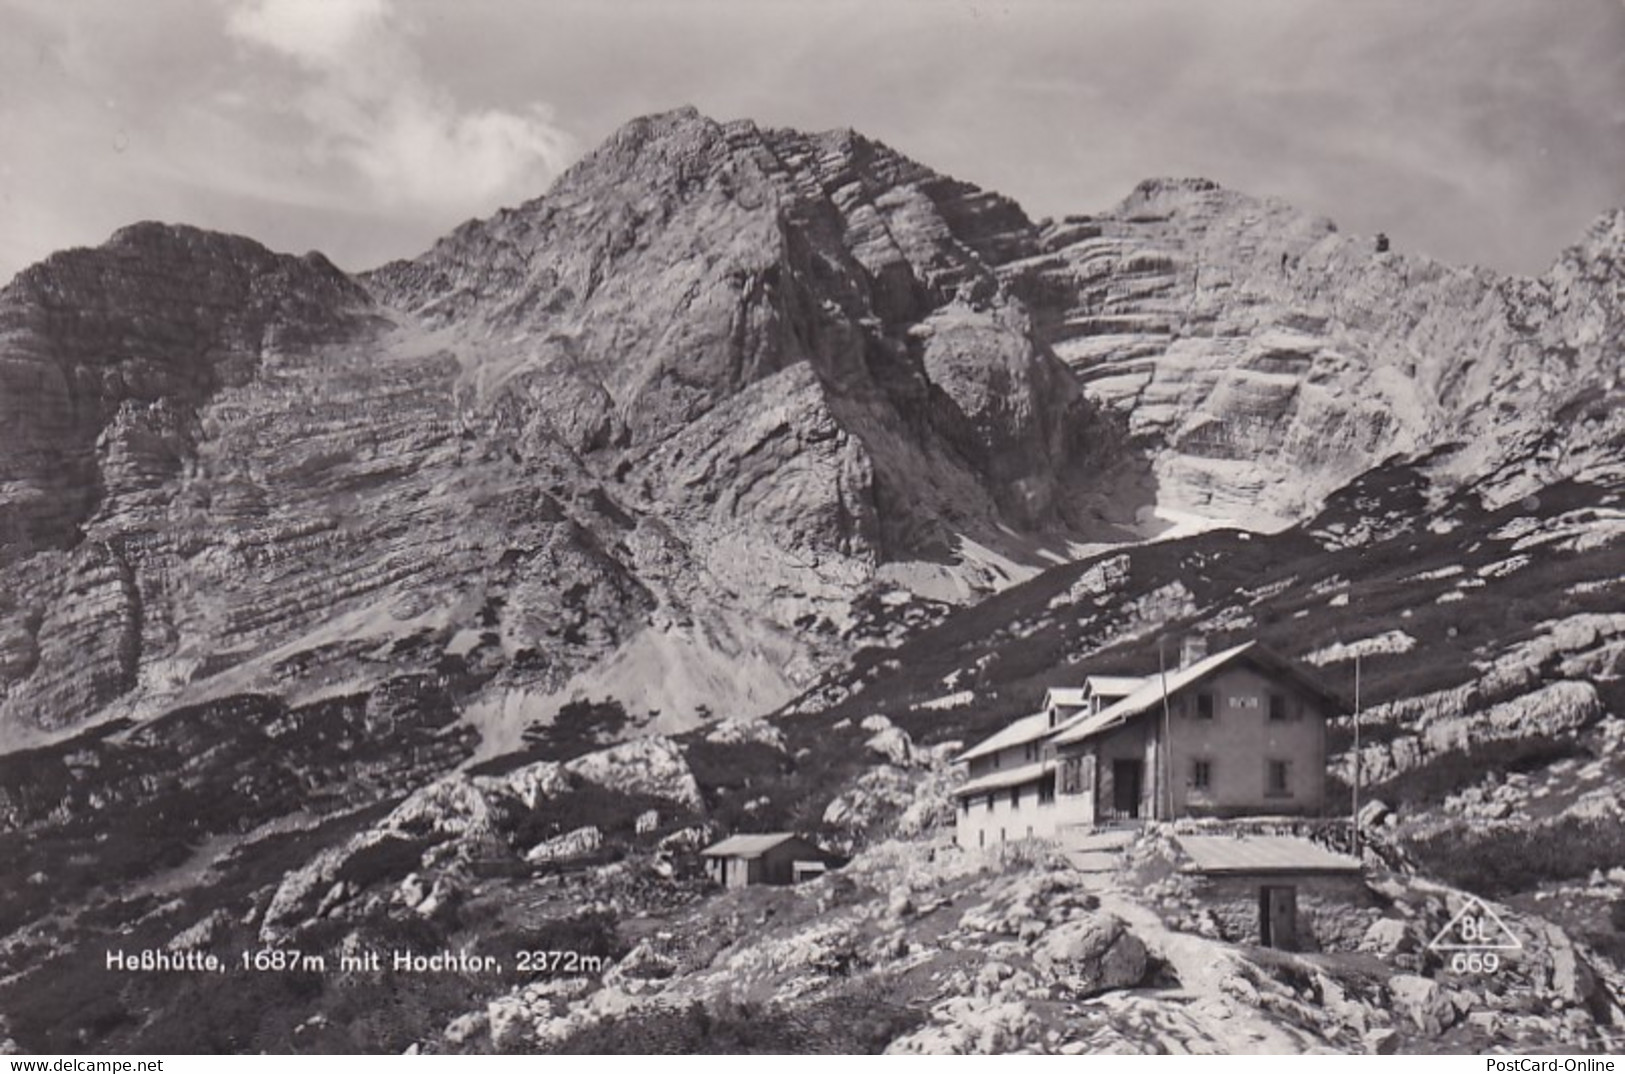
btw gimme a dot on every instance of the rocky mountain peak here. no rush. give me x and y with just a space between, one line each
673 148
160 316
734 255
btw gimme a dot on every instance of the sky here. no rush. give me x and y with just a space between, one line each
1478 131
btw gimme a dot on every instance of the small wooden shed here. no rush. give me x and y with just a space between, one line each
766 858
1280 891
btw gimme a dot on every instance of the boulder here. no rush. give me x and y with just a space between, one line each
893 744
466 1026
455 807
1382 1042
572 844
337 894
1373 813
1092 953
202 934
1238 987
328 878
412 891
685 839
732 732
1423 1002
1388 936
878 795
642 963
1572 979
441 900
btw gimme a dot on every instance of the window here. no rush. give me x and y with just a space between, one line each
1046 789
1278 783
964 806
1278 707
1015 797
1202 775
990 801
1204 706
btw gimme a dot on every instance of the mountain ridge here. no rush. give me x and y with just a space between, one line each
763 377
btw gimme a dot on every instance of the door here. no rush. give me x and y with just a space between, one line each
1278 917
1126 788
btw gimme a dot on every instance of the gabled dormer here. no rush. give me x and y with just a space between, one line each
1103 691
1061 703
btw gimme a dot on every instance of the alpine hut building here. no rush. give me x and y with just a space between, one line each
1237 733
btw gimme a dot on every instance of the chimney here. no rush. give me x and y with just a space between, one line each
1192 647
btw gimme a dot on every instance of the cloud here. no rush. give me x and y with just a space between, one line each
370 108
319 33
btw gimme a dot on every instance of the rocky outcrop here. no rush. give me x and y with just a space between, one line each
1271 358
532 784
1558 709
651 766
572 844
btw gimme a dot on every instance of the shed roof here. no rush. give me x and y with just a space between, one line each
1026 729
1010 777
747 846
1114 685
1262 854
1150 695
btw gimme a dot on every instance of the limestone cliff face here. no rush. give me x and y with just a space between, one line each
689 266
668 433
1269 358
121 344
109 359
651 437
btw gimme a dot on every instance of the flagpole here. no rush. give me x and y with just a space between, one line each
1167 731
1356 814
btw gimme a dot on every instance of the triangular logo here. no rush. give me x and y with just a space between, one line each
1475 928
